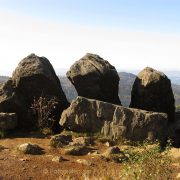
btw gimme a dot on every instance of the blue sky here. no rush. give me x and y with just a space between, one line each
130 34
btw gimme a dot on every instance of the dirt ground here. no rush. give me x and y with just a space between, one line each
19 166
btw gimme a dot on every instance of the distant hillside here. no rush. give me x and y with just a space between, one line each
125 85
3 78
127 78
176 91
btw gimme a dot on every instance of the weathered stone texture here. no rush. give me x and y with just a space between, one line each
95 78
12 101
8 121
116 122
152 91
34 77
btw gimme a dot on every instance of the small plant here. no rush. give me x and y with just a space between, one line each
108 178
1 148
104 139
43 108
56 144
2 133
46 131
147 162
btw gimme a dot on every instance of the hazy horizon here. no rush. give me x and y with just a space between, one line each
131 34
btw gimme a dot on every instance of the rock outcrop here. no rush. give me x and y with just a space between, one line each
8 121
12 101
116 122
35 77
95 78
152 91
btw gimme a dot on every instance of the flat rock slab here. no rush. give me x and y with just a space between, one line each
116 122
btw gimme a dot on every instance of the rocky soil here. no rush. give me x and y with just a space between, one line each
15 165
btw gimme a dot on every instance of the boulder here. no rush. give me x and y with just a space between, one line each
80 141
8 121
95 78
113 121
152 91
12 101
112 150
64 139
28 148
35 77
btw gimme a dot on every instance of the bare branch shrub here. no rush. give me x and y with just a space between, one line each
43 108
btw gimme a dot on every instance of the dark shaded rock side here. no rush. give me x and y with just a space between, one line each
152 91
95 78
35 77
12 101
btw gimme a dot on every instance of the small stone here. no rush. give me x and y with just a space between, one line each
24 159
95 153
108 144
34 167
112 150
23 168
58 159
178 176
85 162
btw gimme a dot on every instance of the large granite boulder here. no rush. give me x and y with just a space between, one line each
116 122
12 101
35 77
95 78
152 91
8 121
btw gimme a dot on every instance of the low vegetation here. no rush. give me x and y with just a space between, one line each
46 131
2 133
55 144
147 161
92 136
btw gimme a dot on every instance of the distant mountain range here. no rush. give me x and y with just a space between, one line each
174 76
125 85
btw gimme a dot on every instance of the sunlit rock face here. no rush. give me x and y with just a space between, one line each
114 121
